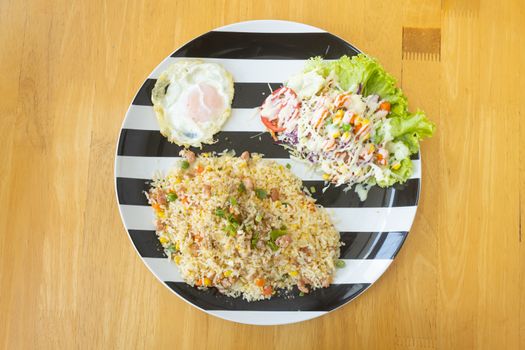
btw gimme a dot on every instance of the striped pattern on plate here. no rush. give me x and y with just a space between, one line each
261 55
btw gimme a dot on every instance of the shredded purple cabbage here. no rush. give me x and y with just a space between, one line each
359 88
312 157
291 137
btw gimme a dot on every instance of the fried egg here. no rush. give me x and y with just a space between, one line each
192 101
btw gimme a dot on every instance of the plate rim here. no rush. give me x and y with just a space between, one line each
310 315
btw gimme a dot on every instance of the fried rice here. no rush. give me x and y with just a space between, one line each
243 225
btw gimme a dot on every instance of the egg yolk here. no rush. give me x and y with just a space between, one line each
204 103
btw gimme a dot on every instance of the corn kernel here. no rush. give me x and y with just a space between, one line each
365 122
207 282
336 134
372 148
338 117
326 177
177 259
177 246
227 273
163 240
161 214
346 135
396 166
366 137
294 273
178 180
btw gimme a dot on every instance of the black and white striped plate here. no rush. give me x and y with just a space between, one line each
260 54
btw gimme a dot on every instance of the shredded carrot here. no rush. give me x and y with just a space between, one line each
156 206
200 169
385 106
320 120
267 291
331 145
341 99
380 159
259 282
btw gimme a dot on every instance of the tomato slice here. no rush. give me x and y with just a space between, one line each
281 106
271 125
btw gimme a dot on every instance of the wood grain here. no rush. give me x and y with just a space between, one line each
69 278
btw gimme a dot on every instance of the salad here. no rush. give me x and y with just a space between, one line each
347 119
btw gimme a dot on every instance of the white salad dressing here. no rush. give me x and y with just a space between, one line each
348 120
306 84
334 130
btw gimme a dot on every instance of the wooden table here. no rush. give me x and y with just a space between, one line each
69 277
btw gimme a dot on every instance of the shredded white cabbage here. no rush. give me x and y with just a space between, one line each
334 130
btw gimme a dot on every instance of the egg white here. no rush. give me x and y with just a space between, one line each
170 101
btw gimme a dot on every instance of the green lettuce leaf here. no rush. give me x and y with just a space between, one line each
362 70
410 129
364 74
394 176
